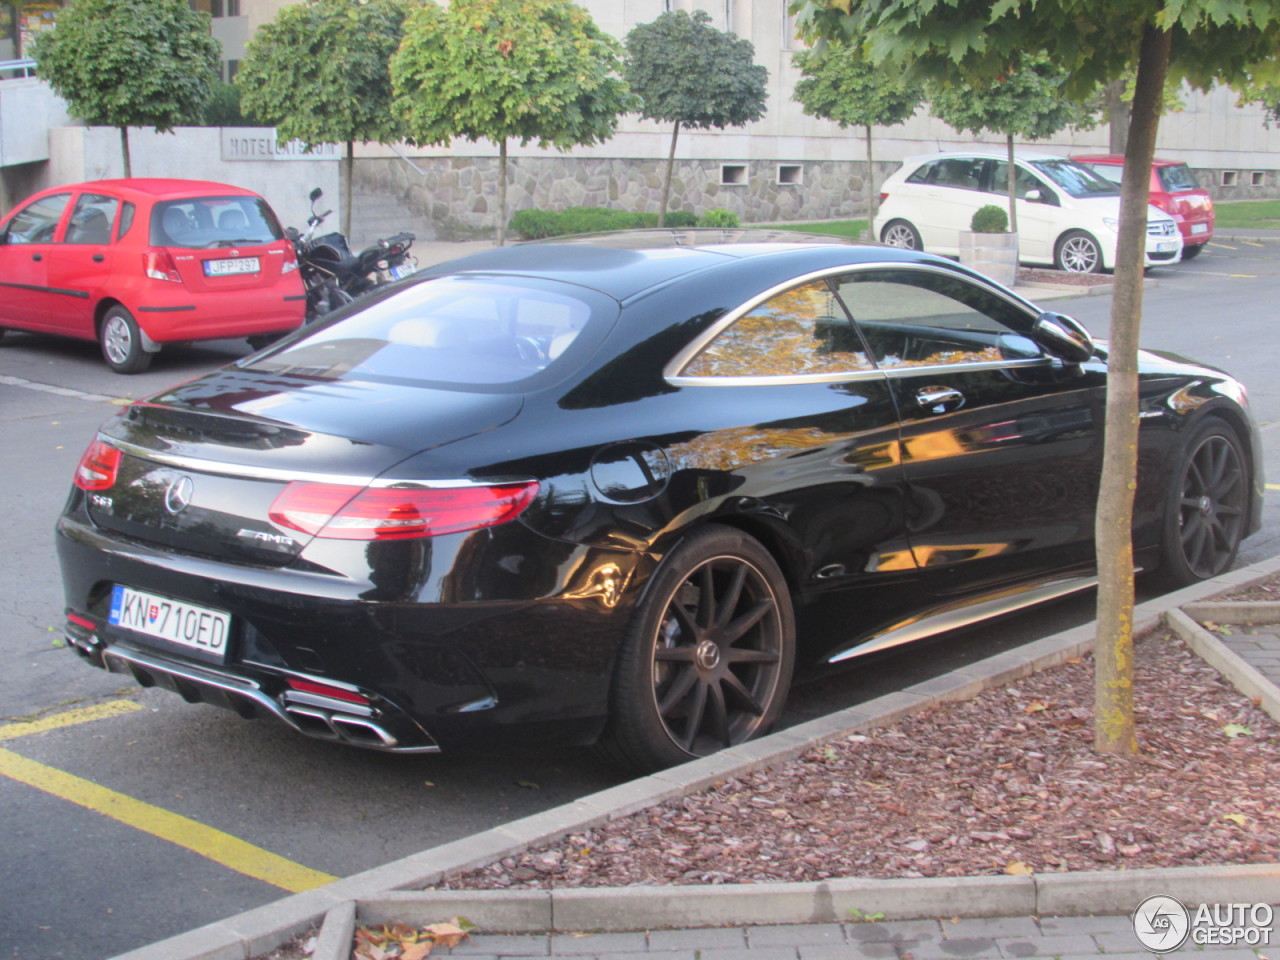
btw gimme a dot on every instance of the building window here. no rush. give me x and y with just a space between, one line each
224 8
733 174
231 66
1257 178
1230 178
790 173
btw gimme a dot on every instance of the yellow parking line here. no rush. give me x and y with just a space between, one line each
1224 246
1252 243
1244 276
206 841
1273 486
101 711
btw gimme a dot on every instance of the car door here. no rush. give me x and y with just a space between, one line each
1001 443
25 248
951 193
1039 219
80 266
800 429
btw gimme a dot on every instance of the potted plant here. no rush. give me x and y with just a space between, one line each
988 246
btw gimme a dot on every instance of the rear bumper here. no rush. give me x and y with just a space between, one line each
220 315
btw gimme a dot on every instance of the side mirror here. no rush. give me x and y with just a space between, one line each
1063 336
316 194
1033 196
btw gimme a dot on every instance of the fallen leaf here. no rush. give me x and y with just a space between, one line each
1016 868
416 951
1239 819
447 934
1233 730
1035 706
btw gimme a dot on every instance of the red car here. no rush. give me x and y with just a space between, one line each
135 264
1174 189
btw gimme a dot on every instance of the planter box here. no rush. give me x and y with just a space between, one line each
995 254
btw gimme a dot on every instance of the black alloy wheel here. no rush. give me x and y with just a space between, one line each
707 661
1207 507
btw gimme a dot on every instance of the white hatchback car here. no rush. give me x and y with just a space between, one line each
1068 216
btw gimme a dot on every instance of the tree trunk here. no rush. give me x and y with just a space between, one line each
1012 186
1113 723
502 192
873 199
124 152
666 178
1117 117
348 171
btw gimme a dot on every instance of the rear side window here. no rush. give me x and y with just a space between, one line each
1177 178
206 222
91 219
127 211
454 331
37 221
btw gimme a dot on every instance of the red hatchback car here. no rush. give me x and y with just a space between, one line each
135 264
1174 189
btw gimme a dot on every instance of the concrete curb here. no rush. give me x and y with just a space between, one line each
1243 676
397 885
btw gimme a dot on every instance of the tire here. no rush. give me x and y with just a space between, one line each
121 342
707 659
900 233
1191 251
1206 508
1078 252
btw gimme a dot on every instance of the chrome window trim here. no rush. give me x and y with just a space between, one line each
672 372
245 472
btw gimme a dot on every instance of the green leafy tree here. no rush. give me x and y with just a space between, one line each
839 84
1026 101
1095 42
690 74
320 74
130 63
525 70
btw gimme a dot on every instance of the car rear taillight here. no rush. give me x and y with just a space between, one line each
883 197
290 260
341 512
159 265
97 467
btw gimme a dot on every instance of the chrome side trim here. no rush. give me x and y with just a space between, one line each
964 614
242 471
677 363
860 376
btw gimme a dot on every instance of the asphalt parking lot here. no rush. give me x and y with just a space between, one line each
132 816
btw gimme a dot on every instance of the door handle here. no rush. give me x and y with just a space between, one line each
37 256
98 258
939 399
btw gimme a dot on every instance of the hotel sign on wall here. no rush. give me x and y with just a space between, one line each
259 143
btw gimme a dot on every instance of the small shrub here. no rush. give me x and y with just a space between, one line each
535 224
719 218
990 219
681 219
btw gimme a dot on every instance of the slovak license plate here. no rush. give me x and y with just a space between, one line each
226 267
177 621
1199 228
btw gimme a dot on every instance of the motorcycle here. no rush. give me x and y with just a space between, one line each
333 275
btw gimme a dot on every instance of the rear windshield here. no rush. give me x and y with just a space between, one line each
458 331
204 222
1177 178
1076 179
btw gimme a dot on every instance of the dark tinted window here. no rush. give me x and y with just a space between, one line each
205 222
126 219
1177 178
91 219
454 330
37 221
964 173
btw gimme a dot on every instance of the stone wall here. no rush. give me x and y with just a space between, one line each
458 196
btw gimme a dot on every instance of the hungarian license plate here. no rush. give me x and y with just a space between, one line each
223 268
177 621
401 270
1199 228
1167 246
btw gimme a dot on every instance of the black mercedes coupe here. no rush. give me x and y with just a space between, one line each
619 489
